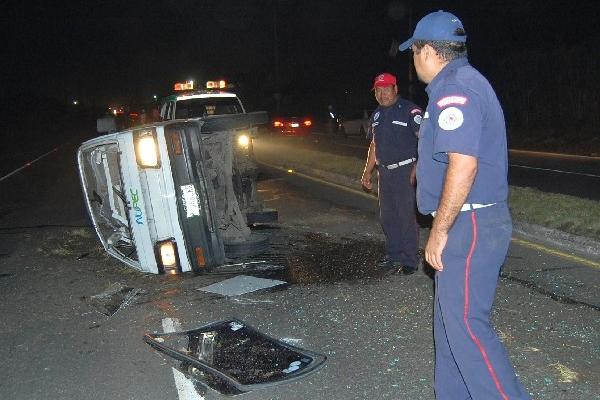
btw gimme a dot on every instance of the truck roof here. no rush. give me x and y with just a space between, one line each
197 94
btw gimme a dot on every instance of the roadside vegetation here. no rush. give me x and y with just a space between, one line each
557 211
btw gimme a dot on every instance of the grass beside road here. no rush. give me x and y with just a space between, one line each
557 211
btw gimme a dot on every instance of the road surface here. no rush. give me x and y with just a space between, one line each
375 331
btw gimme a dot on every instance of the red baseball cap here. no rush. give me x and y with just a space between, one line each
383 80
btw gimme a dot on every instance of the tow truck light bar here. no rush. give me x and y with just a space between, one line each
189 85
216 84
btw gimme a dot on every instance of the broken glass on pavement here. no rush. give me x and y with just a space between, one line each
114 298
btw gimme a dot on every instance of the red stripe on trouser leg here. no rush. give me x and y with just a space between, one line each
466 312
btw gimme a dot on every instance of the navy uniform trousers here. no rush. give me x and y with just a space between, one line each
397 214
470 360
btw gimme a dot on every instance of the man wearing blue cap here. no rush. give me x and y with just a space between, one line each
462 181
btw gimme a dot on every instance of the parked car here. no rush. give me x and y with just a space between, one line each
175 196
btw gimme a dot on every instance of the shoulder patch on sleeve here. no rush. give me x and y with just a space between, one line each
450 119
445 101
415 110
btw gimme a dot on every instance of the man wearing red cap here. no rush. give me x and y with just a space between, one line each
393 129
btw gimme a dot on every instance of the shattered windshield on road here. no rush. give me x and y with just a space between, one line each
231 357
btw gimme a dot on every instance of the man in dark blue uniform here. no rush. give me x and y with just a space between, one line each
393 131
462 182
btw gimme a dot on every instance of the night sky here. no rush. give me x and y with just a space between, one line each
102 52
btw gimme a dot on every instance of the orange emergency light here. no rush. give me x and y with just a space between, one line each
189 85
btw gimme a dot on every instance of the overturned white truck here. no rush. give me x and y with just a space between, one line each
176 196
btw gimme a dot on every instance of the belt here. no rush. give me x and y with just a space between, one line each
470 206
400 163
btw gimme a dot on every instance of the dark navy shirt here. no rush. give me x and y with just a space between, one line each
394 130
463 116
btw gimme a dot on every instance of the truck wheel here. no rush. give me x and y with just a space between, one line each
256 244
257 217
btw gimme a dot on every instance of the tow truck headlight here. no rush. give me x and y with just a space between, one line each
166 256
243 140
146 149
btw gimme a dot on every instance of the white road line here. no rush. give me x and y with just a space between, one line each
555 170
185 387
28 164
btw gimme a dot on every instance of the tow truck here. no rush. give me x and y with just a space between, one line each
176 195
188 102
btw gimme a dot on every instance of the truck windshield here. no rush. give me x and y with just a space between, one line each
203 107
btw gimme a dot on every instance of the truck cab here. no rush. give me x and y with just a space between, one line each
174 196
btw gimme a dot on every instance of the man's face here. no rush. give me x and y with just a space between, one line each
386 95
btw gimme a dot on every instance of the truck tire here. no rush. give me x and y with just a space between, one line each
256 244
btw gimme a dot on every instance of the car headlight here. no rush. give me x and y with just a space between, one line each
243 140
146 149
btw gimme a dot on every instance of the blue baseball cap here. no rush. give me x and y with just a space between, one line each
439 25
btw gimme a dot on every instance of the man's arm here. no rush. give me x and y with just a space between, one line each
369 165
457 185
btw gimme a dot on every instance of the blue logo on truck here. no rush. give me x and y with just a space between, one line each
135 198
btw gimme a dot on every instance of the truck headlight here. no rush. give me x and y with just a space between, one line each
243 140
146 148
166 256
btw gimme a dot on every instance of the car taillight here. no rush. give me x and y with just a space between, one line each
277 124
307 122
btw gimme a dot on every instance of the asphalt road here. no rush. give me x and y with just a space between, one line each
556 173
375 331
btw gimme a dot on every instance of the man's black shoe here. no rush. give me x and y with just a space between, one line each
385 263
389 267
404 270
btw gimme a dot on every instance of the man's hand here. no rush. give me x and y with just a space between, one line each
413 175
434 248
366 181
